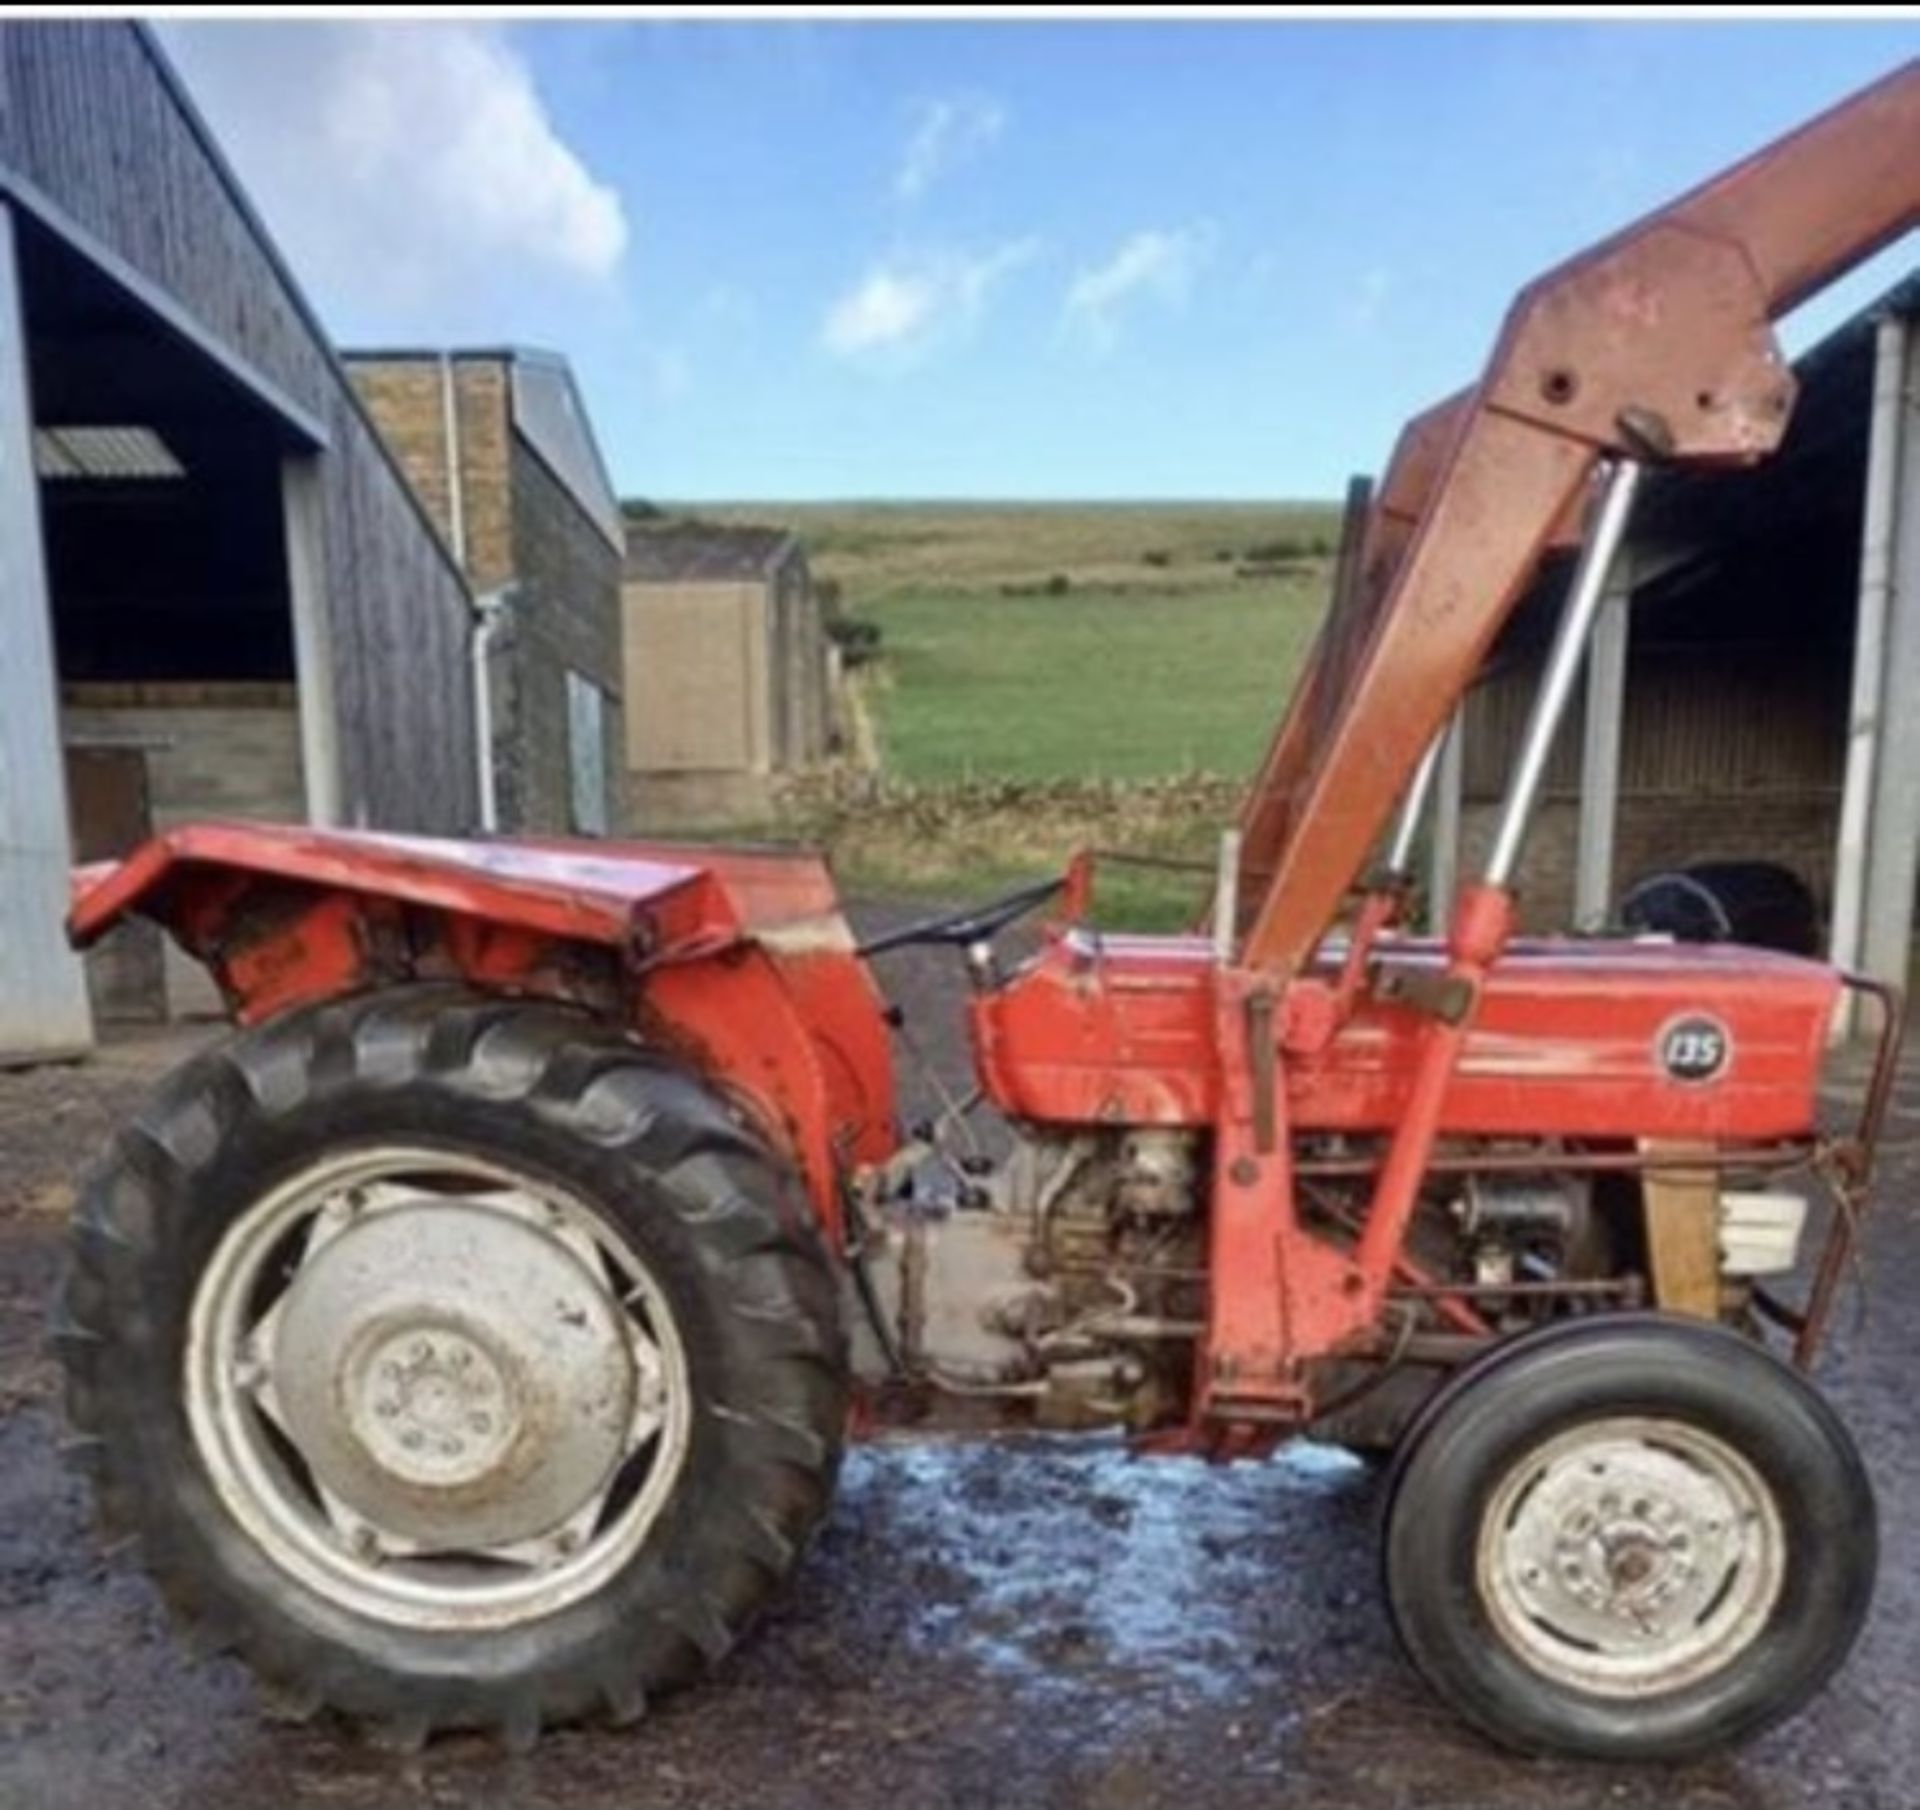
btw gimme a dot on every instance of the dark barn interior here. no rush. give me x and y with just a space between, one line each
160 491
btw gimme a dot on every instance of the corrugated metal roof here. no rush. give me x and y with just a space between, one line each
683 552
125 455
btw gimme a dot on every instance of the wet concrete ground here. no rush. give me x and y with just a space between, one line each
1054 1626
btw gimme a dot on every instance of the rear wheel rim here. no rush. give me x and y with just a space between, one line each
439 1391
1630 1557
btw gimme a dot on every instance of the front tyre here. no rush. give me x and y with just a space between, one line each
1631 1539
455 1360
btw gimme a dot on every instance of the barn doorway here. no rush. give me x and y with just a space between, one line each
165 510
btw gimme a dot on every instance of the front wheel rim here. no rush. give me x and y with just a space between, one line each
1631 1557
439 1391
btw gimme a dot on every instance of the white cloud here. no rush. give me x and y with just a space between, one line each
946 133
886 307
401 163
1156 264
905 304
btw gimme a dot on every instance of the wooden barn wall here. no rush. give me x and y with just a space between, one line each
88 118
1700 722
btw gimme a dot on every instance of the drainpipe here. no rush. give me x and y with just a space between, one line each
489 607
489 612
450 442
1869 654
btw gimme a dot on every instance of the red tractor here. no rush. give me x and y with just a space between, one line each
472 1338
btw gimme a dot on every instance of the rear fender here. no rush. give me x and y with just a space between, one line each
781 1016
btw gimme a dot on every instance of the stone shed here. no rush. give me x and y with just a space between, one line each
730 677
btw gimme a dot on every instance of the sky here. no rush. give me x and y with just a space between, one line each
992 259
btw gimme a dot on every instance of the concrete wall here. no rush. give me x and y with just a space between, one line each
698 693
210 751
668 803
727 685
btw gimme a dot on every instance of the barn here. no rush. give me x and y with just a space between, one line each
1750 692
218 593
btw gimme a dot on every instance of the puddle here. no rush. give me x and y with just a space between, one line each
1063 1563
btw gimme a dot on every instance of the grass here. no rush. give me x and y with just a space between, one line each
1092 685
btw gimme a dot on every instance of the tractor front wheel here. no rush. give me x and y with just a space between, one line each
455 1360
1635 1538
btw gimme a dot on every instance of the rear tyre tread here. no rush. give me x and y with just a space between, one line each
774 1420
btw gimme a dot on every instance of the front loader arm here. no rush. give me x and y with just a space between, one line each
1366 570
1655 344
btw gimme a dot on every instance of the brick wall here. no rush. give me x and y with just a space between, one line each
408 405
1656 833
486 470
403 397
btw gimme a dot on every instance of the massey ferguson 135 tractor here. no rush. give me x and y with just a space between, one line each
471 1339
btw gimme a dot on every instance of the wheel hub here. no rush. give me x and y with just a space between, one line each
1625 1562
432 1405
453 1371
1631 1556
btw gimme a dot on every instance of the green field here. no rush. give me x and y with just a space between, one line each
1050 676
1072 641
1092 685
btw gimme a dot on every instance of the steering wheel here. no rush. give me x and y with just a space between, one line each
976 924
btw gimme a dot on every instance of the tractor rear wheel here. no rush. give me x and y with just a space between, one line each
1629 1538
455 1360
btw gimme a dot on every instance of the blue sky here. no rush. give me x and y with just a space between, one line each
989 259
